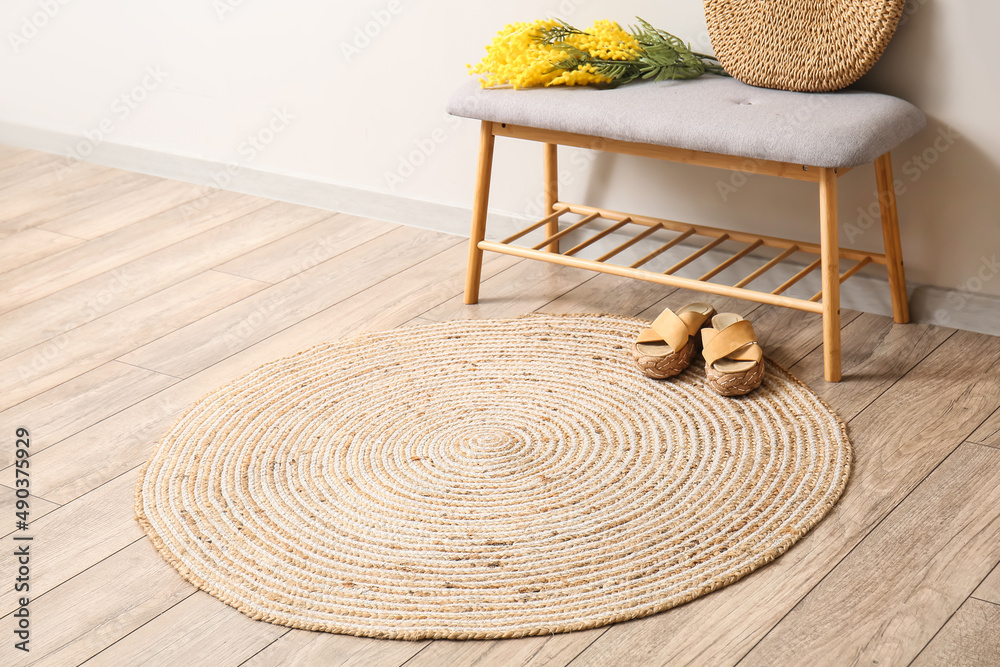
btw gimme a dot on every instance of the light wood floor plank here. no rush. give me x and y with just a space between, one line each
56 189
44 366
229 330
108 216
880 351
39 507
969 639
889 597
296 252
548 650
988 432
605 293
74 537
417 321
989 590
27 165
40 279
30 246
79 403
125 440
786 335
897 441
99 606
937 404
91 191
10 151
405 295
679 298
300 648
512 293
200 630
114 446
106 292
12 157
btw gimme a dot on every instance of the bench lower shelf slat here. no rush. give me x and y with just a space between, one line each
701 230
649 226
651 276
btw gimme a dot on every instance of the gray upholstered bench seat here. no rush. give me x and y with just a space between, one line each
711 114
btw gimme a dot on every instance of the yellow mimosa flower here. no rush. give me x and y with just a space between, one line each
548 52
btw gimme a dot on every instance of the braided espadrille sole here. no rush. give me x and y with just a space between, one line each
661 368
735 384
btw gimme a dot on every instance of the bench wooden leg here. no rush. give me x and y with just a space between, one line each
890 237
480 205
830 258
550 167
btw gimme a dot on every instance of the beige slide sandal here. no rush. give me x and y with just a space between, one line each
734 361
667 348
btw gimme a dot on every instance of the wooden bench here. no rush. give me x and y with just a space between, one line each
710 121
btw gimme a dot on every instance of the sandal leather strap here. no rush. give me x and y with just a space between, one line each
693 319
738 341
668 328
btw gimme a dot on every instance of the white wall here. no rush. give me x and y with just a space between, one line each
329 106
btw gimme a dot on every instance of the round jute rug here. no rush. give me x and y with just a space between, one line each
484 479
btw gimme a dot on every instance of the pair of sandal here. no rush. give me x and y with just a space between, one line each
734 361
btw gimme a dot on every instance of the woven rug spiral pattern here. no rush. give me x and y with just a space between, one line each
801 45
484 479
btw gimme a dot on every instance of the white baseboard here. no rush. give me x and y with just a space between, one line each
868 293
952 308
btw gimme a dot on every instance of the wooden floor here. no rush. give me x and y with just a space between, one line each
124 298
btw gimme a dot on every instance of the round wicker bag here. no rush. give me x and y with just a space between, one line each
803 45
